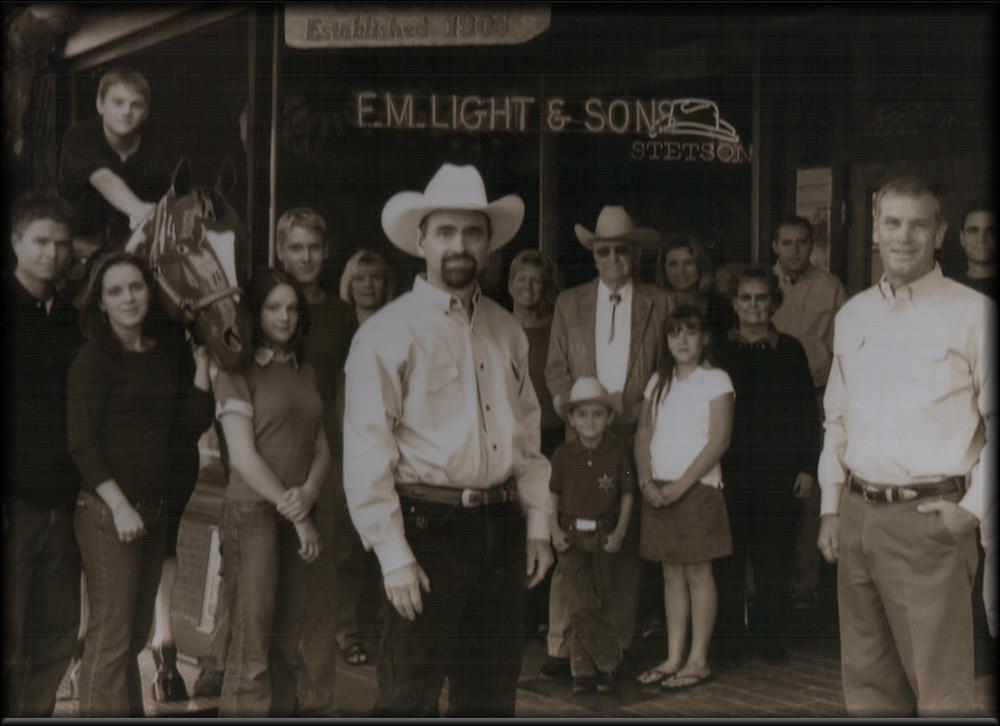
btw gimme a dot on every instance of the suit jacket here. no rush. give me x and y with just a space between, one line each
572 352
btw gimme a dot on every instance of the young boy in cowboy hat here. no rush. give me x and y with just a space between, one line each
593 490
610 328
442 469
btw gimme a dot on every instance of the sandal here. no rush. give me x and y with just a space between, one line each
695 681
653 677
355 654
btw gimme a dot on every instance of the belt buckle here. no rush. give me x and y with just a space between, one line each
586 525
471 498
868 494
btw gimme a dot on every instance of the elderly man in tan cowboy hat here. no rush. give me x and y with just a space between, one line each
442 469
610 328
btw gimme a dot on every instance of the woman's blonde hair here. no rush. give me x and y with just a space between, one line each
371 258
551 283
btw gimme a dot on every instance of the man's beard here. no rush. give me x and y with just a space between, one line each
458 276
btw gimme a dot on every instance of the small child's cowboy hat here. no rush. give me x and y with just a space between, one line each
588 389
614 224
453 187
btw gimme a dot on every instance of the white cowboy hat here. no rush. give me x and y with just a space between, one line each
588 389
614 224
453 187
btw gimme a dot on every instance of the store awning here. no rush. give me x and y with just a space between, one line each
107 32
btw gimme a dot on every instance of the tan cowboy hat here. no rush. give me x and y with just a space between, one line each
588 389
614 224
453 187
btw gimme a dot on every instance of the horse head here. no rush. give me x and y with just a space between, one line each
192 241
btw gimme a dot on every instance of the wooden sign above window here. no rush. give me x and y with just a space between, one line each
383 26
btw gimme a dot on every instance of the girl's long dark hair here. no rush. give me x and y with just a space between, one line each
263 281
94 322
686 316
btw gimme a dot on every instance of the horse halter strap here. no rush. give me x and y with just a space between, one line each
190 308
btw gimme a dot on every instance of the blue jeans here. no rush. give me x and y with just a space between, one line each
41 608
122 580
270 587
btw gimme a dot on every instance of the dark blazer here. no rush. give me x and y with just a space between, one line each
571 346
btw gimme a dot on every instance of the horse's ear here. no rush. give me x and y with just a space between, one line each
180 182
225 182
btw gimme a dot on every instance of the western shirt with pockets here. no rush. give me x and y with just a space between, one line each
435 397
911 385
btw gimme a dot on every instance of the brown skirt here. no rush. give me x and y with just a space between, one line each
695 528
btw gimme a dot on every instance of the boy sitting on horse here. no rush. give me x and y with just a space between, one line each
112 167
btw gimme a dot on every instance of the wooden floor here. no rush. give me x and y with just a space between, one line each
807 686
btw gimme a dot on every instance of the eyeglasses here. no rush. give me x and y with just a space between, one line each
620 250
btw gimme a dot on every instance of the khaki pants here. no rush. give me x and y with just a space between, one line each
904 589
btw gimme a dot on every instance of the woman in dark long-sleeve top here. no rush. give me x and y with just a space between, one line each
771 463
134 391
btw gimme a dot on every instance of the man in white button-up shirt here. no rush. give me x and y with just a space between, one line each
441 429
610 328
906 470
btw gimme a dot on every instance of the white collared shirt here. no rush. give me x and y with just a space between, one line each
911 385
612 359
435 397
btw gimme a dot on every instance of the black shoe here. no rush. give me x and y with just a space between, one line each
584 684
606 683
168 685
774 653
208 684
555 667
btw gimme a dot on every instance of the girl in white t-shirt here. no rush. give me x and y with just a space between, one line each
684 430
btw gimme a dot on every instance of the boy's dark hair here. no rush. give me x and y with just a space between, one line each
40 205
979 205
124 77
261 284
94 322
685 316
793 220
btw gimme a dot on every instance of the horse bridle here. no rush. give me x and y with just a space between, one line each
188 306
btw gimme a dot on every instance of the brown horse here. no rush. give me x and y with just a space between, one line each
192 240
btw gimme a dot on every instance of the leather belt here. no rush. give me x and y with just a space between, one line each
888 493
467 498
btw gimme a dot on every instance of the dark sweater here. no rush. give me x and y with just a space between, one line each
776 422
332 325
85 150
40 347
127 414
538 352
986 285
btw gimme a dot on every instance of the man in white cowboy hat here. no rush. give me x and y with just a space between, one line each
610 328
442 469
